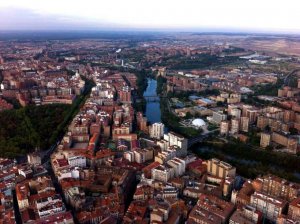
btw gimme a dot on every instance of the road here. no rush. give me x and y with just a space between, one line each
200 138
286 79
89 84
46 154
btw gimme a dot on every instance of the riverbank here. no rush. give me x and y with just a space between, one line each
172 121
142 84
169 118
250 162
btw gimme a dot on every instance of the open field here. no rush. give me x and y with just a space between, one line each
273 44
280 46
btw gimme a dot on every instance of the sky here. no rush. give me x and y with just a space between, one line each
203 15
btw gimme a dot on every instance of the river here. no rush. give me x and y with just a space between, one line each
152 107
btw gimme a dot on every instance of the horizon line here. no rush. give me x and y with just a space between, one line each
159 30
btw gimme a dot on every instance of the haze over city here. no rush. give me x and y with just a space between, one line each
189 15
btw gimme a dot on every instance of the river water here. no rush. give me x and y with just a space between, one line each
153 105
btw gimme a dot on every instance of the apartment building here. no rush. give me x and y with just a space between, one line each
211 210
220 169
265 139
270 206
290 143
165 156
163 173
224 127
139 155
177 140
178 165
235 112
250 112
244 125
157 130
246 215
278 187
235 126
218 116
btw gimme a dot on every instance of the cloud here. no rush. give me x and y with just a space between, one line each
260 15
26 19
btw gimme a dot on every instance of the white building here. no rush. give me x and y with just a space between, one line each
77 161
157 130
162 173
235 126
51 210
139 155
175 139
143 155
163 144
178 165
198 123
271 207
68 173
235 112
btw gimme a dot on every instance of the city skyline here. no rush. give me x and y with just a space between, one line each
222 16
